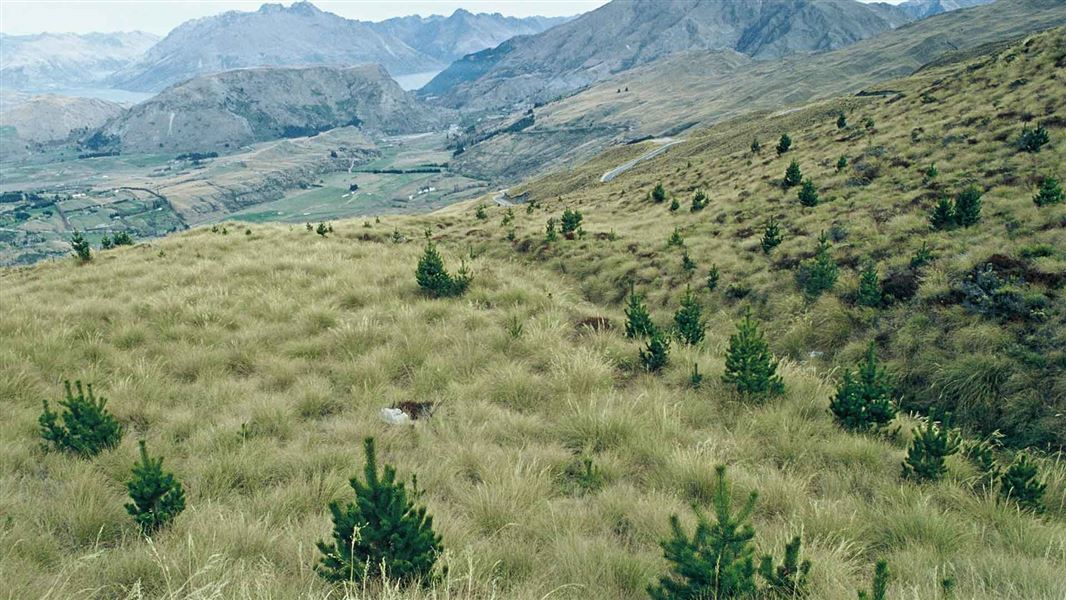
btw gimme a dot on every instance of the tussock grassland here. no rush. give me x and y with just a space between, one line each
257 363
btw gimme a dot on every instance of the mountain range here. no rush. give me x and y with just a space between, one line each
50 61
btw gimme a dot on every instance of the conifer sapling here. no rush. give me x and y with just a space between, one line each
571 223
157 496
808 194
1019 484
655 355
676 239
550 234
790 578
943 216
674 204
1050 192
842 163
793 175
638 321
712 278
865 401
771 236
756 146
749 366
80 247
968 207
435 280
658 194
87 427
842 121
784 144
819 274
926 458
870 293
699 201
880 583
689 319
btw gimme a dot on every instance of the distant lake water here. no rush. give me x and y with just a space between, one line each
415 81
123 96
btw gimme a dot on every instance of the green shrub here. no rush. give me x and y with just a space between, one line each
157 496
480 213
674 205
793 175
818 274
864 402
1032 140
756 146
784 144
571 223
870 293
771 236
658 193
968 207
943 215
676 239
699 201
808 194
550 234
435 280
106 243
689 320
508 217
749 367
712 278
321 229
1019 484
926 458
382 533
655 355
718 560
842 121
922 256
880 583
87 427
790 578
638 321
842 163
1050 192
80 247
930 174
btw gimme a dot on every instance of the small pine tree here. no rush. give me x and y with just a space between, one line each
88 428
808 194
674 204
864 402
687 264
638 320
571 223
712 278
550 234
756 146
1032 140
689 319
508 217
1019 483
842 121
870 293
790 578
157 496
658 194
943 216
80 247
480 213
771 236
819 274
382 533
868 122
434 279
933 443
842 163
922 256
793 175
106 243
1050 192
784 144
699 201
655 355
968 207
982 454
676 239
880 583
321 229
718 560
749 367
931 173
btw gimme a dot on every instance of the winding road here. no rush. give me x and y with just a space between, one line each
665 142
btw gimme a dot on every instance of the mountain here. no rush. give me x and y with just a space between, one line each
66 60
49 117
275 35
233 108
682 91
627 33
920 9
447 39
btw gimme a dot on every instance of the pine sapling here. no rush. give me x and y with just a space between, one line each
658 193
865 401
808 194
870 293
712 278
756 146
674 204
480 213
1032 140
571 223
676 239
435 280
696 378
655 355
80 247
784 144
842 163
382 533
793 175
771 236
638 320
87 427
819 274
718 560
1019 483
687 264
699 201
689 319
842 121
1050 192
550 234
790 578
880 583
943 215
926 458
157 496
749 366
968 207
321 229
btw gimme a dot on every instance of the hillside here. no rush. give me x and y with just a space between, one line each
50 118
234 108
685 91
447 39
622 35
256 361
274 35
49 61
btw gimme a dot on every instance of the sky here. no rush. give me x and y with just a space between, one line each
160 16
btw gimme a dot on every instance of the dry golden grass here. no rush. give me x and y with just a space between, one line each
301 340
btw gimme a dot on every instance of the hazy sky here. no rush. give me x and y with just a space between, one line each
160 16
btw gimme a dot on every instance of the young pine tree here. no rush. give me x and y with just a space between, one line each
1050 192
1019 483
933 443
968 207
790 578
943 216
784 144
674 204
819 274
930 174
122 238
718 560
157 496
880 583
658 194
571 223
808 194
1032 140
435 280
87 427
842 121
864 402
638 321
771 236
870 293
383 533
106 243
699 201
676 239
687 264
793 175
756 146
749 367
80 247
689 320
656 354
480 213
712 278
842 163
550 235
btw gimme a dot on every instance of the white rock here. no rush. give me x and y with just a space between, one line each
394 416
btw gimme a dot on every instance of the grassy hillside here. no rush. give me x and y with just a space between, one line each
256 361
